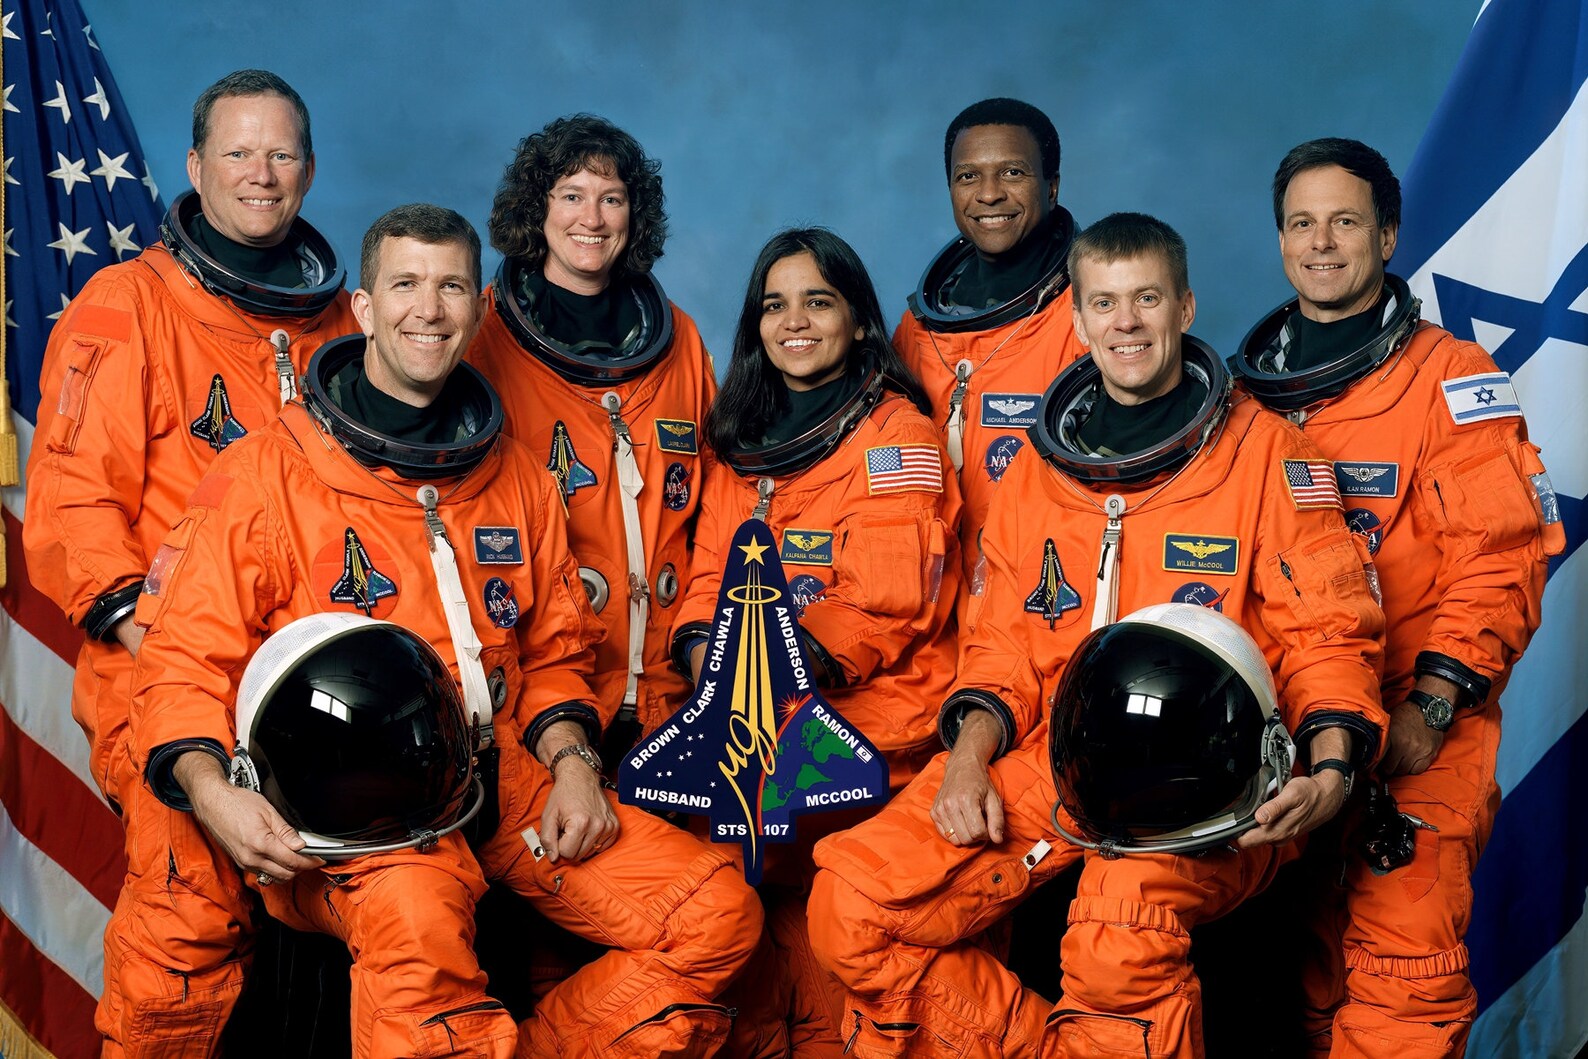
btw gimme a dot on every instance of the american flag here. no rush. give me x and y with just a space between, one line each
78 196
896 468
1312 484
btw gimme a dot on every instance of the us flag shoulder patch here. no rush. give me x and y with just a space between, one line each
1311 484
899 468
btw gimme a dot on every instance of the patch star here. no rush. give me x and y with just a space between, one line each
72 243
88 31
99 100
59 103
148 182
121 240
65 301
111 169
5 31
69 173
752 552
12 107
1484 396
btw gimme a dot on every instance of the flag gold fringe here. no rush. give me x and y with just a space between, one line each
15 1041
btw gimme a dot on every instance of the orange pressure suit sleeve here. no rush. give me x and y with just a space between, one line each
1478 499
218 573
86 466
997 661
557 637
895 574
1326 628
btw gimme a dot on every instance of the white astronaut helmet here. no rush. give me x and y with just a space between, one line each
1165 735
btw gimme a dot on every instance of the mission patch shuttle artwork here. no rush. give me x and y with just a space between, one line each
757 744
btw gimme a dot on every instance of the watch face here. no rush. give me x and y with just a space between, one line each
1437 712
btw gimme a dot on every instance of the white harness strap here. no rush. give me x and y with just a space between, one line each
956 414
630 482
1105 609
455 605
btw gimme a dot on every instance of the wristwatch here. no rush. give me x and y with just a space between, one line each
581 751
1344 768
1437 710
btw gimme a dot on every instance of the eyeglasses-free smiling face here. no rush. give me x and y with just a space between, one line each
252 175
807 328
420 317
1131 314
1332 247
587 230
996 186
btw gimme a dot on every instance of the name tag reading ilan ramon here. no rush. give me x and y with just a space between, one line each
757 744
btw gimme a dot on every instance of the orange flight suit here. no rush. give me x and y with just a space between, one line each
147 376
893 903
665 411
874 578
1450 517
1011 368
272 530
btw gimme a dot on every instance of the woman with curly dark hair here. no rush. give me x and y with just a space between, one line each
821 431
610 382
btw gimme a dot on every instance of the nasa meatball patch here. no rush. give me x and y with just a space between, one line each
501 605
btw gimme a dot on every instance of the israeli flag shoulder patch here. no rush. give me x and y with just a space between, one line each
1474 398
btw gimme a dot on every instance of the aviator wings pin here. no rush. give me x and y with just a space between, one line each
757 744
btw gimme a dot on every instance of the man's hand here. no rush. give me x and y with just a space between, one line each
247 826
129 634
967 810
1305 803
579 821
1410 746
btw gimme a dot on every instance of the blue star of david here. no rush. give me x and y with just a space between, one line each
1484 395
1533 324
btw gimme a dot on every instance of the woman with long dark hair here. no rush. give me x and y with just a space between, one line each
822 432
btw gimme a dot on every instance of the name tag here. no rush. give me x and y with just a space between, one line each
677 435
497 546
1367 479
1009 409
807 547
1200 554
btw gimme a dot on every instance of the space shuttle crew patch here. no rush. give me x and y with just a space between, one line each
355 574
757 744
1474 398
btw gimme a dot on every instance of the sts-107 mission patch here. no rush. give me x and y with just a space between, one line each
756 745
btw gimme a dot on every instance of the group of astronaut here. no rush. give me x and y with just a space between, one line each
228 442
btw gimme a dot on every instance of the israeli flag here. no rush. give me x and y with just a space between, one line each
1495 240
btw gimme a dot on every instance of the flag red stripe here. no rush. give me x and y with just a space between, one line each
30 607
54 1008
40 794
